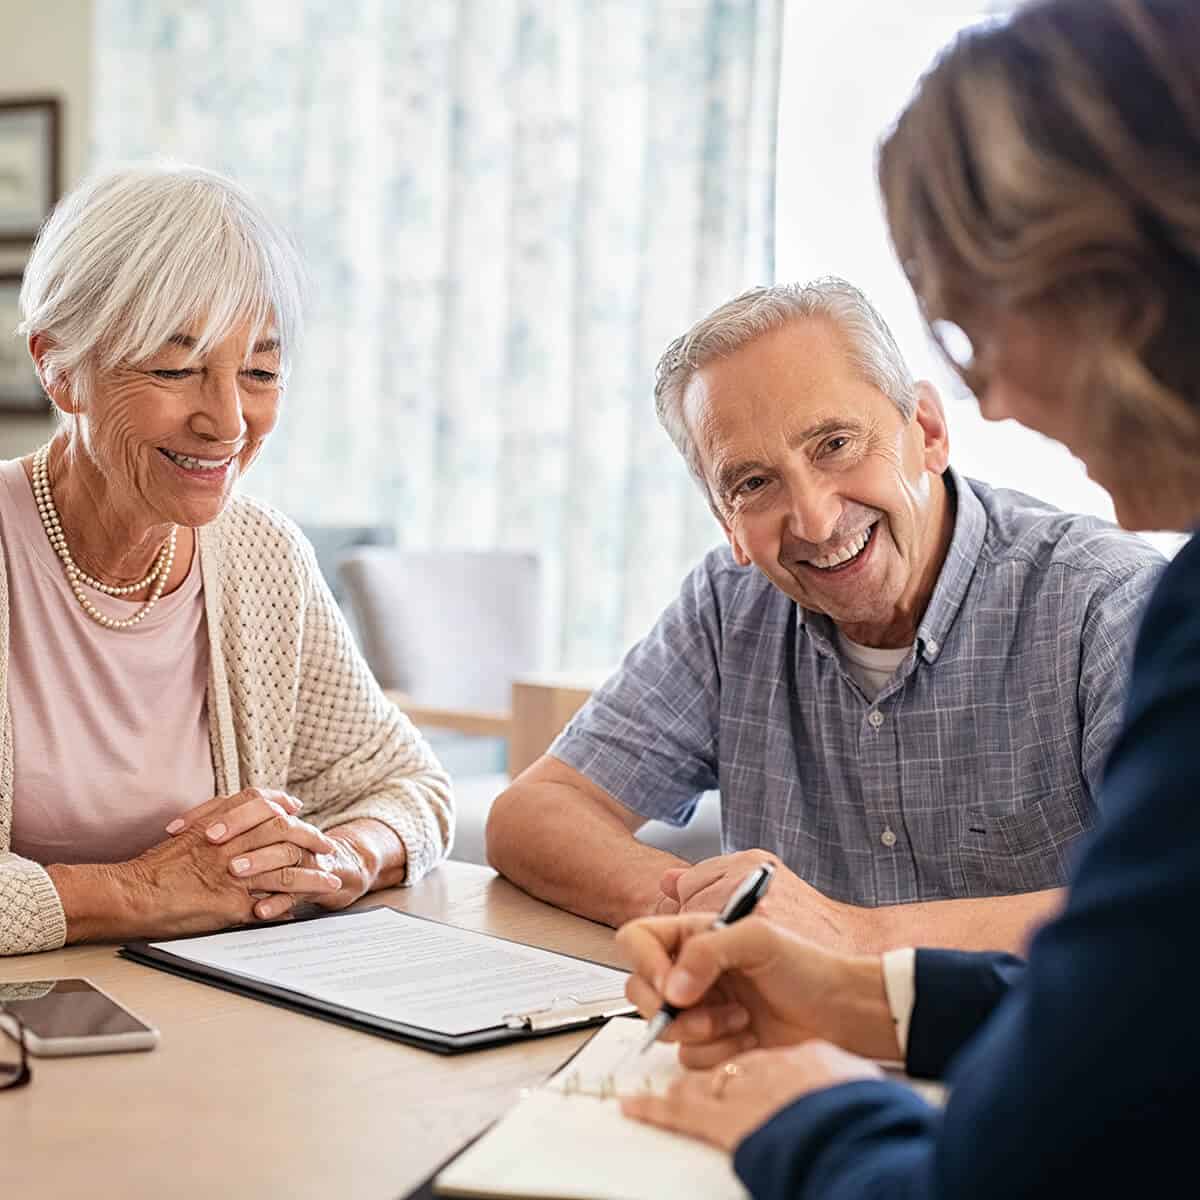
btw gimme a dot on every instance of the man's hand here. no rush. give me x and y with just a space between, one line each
789 901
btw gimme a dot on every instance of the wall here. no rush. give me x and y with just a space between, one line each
45 49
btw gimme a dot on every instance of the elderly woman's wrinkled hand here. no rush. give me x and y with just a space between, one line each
277 859
728 1103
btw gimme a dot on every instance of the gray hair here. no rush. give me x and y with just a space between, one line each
132 256
870 346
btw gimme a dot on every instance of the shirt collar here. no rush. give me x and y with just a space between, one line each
970 525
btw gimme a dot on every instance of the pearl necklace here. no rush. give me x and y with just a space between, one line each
76 577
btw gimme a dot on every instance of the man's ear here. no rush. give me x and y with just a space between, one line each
57 385
739 554
930 418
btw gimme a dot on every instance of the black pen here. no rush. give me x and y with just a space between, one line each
741 904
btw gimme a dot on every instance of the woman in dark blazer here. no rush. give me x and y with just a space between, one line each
1043 193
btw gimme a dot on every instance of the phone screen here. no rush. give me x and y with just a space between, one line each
65 1008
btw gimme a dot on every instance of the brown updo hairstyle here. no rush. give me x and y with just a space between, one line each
1049 165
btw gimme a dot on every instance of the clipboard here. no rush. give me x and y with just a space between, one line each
558 1014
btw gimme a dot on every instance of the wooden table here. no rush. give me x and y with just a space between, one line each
245 1099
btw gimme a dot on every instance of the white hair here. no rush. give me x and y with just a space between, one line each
132 256
870 347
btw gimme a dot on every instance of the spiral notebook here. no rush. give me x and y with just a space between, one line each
567 1139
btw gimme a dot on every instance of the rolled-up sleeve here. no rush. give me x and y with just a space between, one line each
1109 630
648 737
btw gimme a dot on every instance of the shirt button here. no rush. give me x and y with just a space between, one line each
875 718
932 648
888 838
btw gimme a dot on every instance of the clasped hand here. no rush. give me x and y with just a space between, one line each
246 856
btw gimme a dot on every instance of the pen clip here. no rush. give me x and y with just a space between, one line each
745 896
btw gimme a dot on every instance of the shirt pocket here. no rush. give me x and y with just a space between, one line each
1027 849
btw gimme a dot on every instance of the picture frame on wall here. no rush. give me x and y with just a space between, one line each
20 389
29 166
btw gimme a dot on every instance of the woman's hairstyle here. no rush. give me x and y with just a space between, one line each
1049 165
131 257
870 347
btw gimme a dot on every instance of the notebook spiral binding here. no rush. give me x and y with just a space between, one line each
603 1087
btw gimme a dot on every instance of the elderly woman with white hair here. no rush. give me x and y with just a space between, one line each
190 739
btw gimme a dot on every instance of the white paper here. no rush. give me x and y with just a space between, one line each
405 969
563 1141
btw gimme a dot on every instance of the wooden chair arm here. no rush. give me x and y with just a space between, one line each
541 706
474 722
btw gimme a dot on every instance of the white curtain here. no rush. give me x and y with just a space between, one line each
508 208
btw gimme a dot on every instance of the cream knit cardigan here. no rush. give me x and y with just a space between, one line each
291 705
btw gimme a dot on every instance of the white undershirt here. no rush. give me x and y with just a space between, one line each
871 668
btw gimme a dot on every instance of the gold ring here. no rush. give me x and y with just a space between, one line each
723 1075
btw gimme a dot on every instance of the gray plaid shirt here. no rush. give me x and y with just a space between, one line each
971 773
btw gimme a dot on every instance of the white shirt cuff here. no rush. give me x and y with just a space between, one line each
900 984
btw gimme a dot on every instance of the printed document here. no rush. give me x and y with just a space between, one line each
406 969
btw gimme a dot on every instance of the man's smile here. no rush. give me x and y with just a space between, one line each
849 555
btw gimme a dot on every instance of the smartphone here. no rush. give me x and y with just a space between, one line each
71 1016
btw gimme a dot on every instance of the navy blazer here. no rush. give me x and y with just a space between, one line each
956 991
1086 1079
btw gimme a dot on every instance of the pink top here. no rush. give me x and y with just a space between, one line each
110 726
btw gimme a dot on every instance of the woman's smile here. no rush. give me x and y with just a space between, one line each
199 470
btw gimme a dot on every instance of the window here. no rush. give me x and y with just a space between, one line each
848 68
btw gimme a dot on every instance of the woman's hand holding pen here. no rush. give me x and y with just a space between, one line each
756 995
753 984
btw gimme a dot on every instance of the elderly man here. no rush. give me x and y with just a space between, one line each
903 682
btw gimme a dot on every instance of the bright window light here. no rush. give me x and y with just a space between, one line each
848 69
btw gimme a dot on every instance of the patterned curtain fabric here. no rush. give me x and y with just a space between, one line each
508 208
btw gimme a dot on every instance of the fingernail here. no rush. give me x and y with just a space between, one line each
293 803
680 986
215 833
335 882
240 866
660 982
176 825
